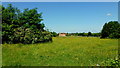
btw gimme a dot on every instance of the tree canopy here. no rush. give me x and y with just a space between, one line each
23 27
111 30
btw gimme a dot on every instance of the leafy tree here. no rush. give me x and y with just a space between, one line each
96 34
54 34
9 22
111 30
89 33
23 27
31 19
0 23
83 34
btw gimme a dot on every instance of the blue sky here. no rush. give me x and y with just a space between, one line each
60 0
73 16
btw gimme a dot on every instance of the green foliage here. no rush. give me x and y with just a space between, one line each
84 34
0 23
111 30
23 27
96 34
89 33
111 62
54 34
81 34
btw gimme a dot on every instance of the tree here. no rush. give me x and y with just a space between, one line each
54 34
9 22
0 23
23 27
89 33
111 30
96 34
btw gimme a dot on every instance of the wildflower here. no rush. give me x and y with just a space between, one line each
97 65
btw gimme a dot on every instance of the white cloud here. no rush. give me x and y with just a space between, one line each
109 14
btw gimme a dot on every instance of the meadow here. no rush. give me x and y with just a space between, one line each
0 55
63 51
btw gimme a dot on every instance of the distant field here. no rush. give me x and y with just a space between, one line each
63 51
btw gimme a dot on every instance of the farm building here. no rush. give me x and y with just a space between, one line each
62 34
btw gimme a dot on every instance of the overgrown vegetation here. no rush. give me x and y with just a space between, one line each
23 27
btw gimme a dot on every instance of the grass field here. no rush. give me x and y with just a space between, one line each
0 55
63 51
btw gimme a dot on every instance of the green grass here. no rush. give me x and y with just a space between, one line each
63 51
0 55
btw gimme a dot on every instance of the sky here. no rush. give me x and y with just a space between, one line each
72 17
60 0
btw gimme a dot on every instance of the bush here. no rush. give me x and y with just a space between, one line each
28 36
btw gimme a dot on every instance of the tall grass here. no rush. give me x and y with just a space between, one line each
63 51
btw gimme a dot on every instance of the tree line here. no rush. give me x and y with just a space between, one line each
110 29
26 27
84 34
